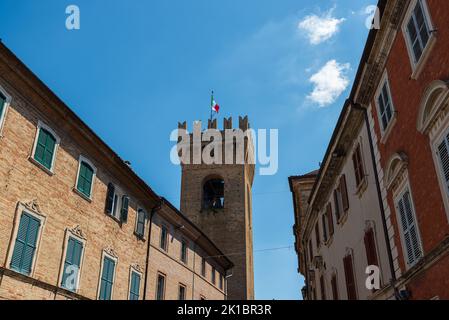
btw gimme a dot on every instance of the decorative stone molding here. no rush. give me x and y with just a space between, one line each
77 231
33 205
434 102
137 267
111 252
395 169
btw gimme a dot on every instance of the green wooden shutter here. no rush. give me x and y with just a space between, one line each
140 222
73 258
107 279
2 104
125 208
45 148
110 198
135 286
85 179
25 246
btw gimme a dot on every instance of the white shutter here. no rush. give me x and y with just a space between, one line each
443 155
409 229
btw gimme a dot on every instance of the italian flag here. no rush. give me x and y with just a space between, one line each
214 104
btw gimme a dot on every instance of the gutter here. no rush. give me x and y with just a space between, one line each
393 279
147 262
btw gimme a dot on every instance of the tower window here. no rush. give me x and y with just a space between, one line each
213 194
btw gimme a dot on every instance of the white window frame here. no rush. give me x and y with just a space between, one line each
69 233
116 207
75 188
385 132
132 270
22 207
115 259
417 66
5 109
435 141
397 195
41 125
160 273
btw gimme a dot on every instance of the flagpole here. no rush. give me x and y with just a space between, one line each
211 105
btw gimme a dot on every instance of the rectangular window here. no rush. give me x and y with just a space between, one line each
330 220
409 229
72 264
334 287
2 106
317 235
182 292
310 250
370 248
26 244
107 279
140 224
160 290
184 251
418 31
324 224
85 179
350 280
443 156
203 267
221 282
385 105
323 288
358 166
134 290
344 193
164 237
124 209
45 148
213 275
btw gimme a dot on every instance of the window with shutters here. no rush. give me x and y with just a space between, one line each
370 248
334 285
203 267
134 285
350 277
221 283
324 226
184 250
213 275
163 241
140 223
4 101
317 235
160 287
442 153
359 170
322 288
182 292
26 243
117 203
107 277
409 228
330 220
85 178
385 107
418 31
45 147
341 200
72 263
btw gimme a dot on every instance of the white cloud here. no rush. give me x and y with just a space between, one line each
329 83
320 28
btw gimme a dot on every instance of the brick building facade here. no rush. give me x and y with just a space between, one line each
76 222
402 84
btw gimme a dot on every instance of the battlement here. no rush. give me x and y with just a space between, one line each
212 124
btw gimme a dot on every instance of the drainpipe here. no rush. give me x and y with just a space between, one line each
393 280
147 262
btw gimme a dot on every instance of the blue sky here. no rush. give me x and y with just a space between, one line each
136 68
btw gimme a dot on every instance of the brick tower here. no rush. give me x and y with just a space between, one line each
217 197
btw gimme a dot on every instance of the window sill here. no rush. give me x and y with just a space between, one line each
82 195
41 166
418 67
387 131
114 218
140 237
362 187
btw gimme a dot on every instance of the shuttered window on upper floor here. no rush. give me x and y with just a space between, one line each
85 179
134 290
410 233
45 148
107 279
2 106
443 156
418 31
385 105
140 224
25 244
324 225
357 161
370 248
350 278
72 264
330 220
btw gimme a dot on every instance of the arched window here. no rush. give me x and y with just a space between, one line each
213 194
